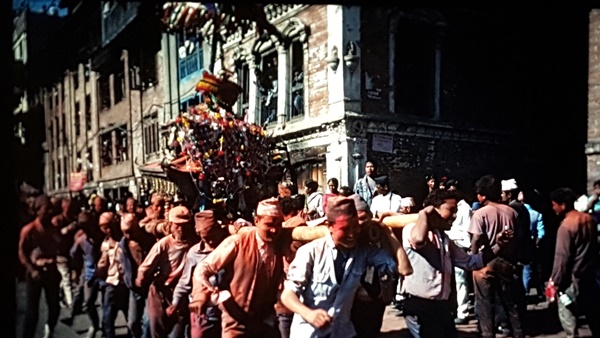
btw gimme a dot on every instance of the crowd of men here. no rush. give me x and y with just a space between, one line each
311 265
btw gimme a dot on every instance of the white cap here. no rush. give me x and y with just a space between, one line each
407 202
508 185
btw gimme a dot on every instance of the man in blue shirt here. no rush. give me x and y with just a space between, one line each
366 186
86 250
531 271
326 273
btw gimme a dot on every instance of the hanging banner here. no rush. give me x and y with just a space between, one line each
77 181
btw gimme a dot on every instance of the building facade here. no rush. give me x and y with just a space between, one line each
408 93
423 91
592 148
37 65
103 116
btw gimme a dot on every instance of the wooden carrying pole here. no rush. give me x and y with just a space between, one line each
307 233
400 221
310 233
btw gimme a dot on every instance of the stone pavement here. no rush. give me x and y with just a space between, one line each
80 326
541 321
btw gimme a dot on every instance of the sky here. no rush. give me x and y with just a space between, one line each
37 5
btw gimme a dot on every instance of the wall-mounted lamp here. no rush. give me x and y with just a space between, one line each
357 156
333 61
351 58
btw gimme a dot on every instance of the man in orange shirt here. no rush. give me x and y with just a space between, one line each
162 269
254 270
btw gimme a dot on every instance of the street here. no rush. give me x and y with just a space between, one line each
541 321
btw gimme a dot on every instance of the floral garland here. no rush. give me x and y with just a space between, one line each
224 154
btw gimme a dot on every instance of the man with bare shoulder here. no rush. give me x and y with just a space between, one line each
38 249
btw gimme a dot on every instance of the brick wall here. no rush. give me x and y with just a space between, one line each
415 157
593 146
316 69
594 77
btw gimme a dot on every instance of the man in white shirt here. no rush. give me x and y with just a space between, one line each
115 294
385 200
458 233
427 308
314 200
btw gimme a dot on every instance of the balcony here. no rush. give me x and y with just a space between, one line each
115 17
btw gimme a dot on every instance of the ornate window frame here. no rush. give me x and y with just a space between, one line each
262 48
296 32
437 22
241 62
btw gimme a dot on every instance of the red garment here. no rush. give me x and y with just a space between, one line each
294 222
325 197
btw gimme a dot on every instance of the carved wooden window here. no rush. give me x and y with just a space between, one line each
104 92
243 79
297 79
267 85
88 112
151 134
86 72
297 34
77 119
121 144
192 102
414 67
190 56
51 129
57 132
64 173
80 162
89 165
75 80
58 174
56 178
63 129
119 86
106 149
